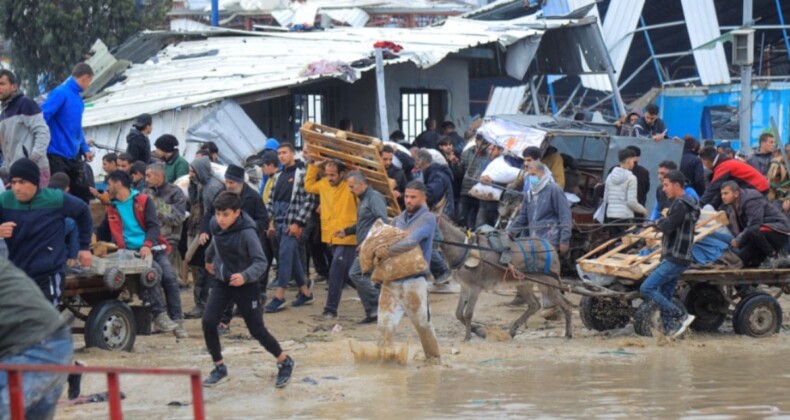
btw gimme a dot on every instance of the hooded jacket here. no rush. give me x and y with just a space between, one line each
236 249
23 132
754 213
251 204
548 211
171 207
693 170
761 161
209 184
620 195
678 229
724 170
338 207
643 129
138 145
63 113
439 184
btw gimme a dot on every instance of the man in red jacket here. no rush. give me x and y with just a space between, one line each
727 169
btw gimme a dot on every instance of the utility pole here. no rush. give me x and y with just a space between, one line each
215 13
746 86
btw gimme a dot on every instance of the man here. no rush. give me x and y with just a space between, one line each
410 295
393 172
691 165
458 142
213 150
620 194
489 209
167 149
650 125
662 201
138 171
171 209
31 333
137 143
553 160
270 165
676 245
338 211
438 185
63 113
727 169
445 145
761 230
371 207
428 138
33 223
125 161
132 223
642 176
23 130
289 207
761 159
473 162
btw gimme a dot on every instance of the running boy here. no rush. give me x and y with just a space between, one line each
235 257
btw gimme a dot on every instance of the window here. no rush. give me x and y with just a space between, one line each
415 108
307 108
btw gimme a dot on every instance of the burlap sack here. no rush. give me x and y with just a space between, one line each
401 266
408 264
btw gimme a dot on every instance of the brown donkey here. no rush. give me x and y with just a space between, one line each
536 260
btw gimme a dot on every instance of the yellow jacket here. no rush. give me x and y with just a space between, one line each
338 207
557 167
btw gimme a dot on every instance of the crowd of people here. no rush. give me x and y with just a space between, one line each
225 235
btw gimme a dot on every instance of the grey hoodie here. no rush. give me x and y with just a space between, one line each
620 195
211 185
236 249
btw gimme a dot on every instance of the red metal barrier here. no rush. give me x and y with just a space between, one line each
17 395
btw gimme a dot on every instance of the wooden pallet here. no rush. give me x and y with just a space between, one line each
355 151
624 260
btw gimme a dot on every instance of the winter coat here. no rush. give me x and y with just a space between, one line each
421 227
693 170
427 139
397 174
338 207
302 203
473 162
458 143
732 169
63 113
171 207
678 229
251 204
642 183
663 202
139 146
38 243
643 129
112 228
371 208
761 161
23 132
557 167
236 249
208 185
754 213
548 211
439 184
176 167
620 195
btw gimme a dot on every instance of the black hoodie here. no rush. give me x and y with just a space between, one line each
236 249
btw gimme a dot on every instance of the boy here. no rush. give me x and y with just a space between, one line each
236 259
125 161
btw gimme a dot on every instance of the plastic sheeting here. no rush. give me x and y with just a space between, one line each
514 138
235 134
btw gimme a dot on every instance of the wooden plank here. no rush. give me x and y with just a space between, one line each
339 155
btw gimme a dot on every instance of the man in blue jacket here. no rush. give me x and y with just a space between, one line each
438 185
63 113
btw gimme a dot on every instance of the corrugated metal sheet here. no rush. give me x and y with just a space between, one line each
354 17
267 61
621 19
506 100
703 26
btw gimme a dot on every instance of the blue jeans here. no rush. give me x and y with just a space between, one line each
42 390
660 286
288 258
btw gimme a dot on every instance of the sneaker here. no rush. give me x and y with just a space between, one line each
195 313
284 371
163 323
302 300
684 324
276 305
370 319
217 376
180 332
329 314
443 279
75 382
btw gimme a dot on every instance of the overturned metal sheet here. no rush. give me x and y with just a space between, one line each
235 134
703 26
506 100
354 17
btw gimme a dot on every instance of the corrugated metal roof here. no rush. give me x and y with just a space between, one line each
354 17
506 100
265 61
703 26
498 4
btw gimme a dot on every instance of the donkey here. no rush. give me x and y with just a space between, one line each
490 272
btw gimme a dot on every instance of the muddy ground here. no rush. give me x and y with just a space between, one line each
539 373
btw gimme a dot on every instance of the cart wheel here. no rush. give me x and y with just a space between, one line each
150 277
110 326
603 314
736 327
648 318
708 305
114 278
759 316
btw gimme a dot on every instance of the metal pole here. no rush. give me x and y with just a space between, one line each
551 97
746 86
534 93
215 13
652 52
615 90
382 96
784 30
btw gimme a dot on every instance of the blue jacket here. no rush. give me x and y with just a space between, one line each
421 226
438 181
63 114
38 245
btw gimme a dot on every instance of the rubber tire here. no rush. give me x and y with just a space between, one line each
114 278
108 314
591 310
735 325
645 316
705 303
749 307
144 276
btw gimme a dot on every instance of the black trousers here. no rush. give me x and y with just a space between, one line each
757 246
74 169
246 298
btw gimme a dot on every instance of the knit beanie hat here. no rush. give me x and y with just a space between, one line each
166 143
235 173
25 169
